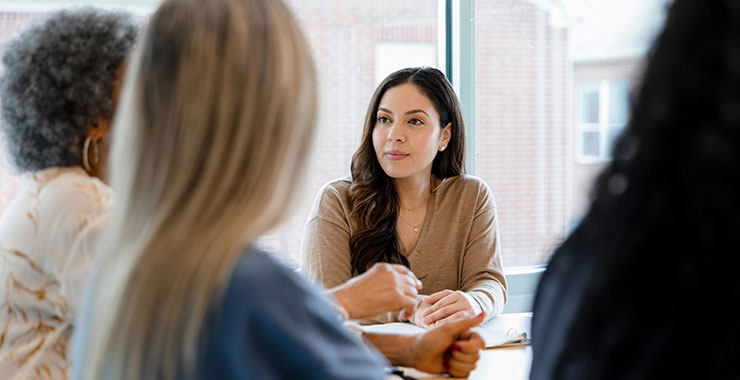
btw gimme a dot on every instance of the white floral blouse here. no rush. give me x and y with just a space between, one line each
47 238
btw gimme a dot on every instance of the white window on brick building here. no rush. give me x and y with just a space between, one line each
391 56
602 115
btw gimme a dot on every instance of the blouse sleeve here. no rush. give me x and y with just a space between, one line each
482 273
73 212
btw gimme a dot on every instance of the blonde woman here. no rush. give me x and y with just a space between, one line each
58 91
216 119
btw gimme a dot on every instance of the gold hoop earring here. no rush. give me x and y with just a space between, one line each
86 162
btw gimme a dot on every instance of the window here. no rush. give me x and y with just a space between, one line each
602 117
545 94
550 94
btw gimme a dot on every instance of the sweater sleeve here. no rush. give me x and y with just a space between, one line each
325 256
482 270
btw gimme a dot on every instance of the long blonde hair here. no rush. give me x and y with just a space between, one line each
214 127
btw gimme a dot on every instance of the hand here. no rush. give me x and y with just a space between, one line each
445 306
418 316
450 348
383 288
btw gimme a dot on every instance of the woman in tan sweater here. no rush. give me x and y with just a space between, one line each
408 203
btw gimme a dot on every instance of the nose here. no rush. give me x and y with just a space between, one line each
395 133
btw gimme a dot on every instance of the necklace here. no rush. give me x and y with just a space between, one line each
416 228
411 210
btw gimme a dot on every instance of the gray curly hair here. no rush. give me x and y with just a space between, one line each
58 80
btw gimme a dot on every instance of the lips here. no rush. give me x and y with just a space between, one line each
395 155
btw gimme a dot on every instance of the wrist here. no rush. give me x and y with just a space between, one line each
400 350
342 302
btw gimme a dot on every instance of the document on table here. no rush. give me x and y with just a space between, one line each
495 333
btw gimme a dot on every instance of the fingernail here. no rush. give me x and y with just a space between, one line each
456 346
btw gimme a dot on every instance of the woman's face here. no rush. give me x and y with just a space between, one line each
407 134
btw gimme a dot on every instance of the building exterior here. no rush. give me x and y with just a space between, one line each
546 107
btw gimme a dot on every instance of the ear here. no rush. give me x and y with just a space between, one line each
99 129
445 137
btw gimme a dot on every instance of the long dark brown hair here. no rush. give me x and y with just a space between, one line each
373 198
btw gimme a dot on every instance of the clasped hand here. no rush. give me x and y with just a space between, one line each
443 307
383 288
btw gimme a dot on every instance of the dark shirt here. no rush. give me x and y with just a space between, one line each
273 324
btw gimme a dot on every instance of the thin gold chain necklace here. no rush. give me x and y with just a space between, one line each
416 228
411 210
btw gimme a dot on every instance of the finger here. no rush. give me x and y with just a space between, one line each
474 344
408 273
409 280
433 298
409 291
456 328
443 313
457 315
466 357
446 301
451 304
407 307
460 369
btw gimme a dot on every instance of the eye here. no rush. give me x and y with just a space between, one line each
416 121
383 119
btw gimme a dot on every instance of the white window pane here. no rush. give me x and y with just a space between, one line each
391 56
540 139
618 102
590 105
590 144
355 45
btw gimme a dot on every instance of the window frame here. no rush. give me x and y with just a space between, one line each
604 125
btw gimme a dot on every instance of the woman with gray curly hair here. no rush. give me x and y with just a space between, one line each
58 93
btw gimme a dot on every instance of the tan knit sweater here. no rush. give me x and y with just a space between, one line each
458 248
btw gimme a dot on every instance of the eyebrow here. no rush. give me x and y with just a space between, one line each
407 113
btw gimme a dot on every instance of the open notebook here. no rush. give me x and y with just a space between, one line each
498 332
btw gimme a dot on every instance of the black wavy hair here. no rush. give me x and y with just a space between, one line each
663 229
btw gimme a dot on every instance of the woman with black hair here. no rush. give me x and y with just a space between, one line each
410 204
640 289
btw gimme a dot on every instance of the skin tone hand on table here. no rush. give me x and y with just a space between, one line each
383 288
450 348
443 307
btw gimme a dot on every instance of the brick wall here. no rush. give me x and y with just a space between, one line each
10 23
593 72
524 83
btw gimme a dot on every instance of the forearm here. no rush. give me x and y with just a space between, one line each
398 349
490 297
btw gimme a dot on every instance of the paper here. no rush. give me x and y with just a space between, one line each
495 333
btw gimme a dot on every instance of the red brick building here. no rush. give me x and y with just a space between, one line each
528 105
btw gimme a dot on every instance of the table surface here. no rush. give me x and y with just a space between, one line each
511 363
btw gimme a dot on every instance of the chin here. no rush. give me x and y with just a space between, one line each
396 174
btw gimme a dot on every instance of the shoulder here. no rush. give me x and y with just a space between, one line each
273 288
297 330
332 201
335 191
466 189
70 191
